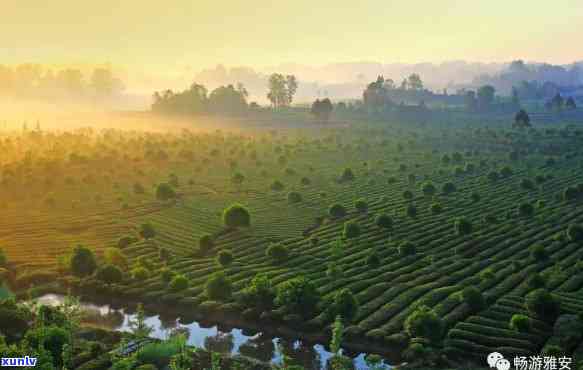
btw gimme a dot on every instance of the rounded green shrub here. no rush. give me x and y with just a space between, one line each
351 230
473 298
424 323
463 226
178 283
109 274
575 233
384 221
448 188
277 252
236 216
543 305
520 323
294 197
361 205
165 192
337 211
277 186
218 287
407 248
225 258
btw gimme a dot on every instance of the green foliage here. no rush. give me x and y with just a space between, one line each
408 195
178 283
206 243
109 274
351 230
463 226
345 305
140 273
347 175
536 280
575 233
448 188
322 109
236 216
3 258
82 261
165 192
526 210
277 186
14 319
373 260
493 176
158 354
411 210
225 258
527 184
543 305
237 178
487 274
553 350
277 252
218 287
407 248
476 197
126 241
259 293
384 221
164 254
298 295
138 326
520 323
428 188
538 252
52 339
337 332
436 208
334 270
473 298
361 205
116 257
166 275
506 172
571 193
337 211
147 231
294 197
424 323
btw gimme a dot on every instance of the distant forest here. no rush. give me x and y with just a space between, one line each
34 81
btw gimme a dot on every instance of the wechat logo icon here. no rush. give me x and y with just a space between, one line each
497 361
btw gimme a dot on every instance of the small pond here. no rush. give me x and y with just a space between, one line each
214 337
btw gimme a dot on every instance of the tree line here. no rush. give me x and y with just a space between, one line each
37 81
229 99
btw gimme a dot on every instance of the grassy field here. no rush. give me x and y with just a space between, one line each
59 189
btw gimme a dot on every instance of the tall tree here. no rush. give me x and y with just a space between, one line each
281 89
227 99
486 97
470 101
414 82
291 84
322 109
521 120
104 83
557 102
376 95
570 104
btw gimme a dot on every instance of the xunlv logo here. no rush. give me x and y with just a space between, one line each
19 361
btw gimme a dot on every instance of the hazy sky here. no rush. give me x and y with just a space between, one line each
265 32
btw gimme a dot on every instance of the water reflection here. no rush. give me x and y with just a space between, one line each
260 347
223 339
